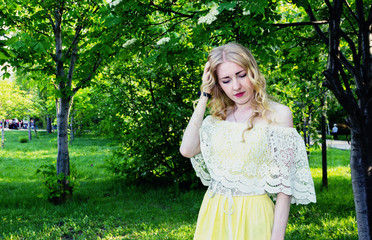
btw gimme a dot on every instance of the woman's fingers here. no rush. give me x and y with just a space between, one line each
207 80
206 73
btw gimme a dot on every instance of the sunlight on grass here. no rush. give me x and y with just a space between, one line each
334 172
104 207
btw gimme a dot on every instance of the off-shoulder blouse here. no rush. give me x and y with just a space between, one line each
265 159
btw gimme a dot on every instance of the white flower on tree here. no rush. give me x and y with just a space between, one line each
129 42
210 17
247 12
114 3
163 41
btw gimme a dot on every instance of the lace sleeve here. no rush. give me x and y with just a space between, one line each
199 161
201 169
289 171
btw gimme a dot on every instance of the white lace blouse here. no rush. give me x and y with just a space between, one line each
271 159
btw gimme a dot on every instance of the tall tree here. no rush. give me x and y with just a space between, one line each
349 76
66 41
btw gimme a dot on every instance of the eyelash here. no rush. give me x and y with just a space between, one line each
241 76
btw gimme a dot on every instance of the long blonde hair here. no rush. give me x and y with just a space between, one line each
220 104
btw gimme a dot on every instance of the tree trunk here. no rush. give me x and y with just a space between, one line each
35 130
63 165
29 128
305 129
357 104
324 150
2 134
63 158
308 124
361 181
63 104
72 128
49 124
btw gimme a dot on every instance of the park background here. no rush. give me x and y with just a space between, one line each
118 79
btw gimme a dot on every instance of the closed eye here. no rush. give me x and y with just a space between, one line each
243 75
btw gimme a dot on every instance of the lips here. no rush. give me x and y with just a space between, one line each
240 94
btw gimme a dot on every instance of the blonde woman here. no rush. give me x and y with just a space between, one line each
245 151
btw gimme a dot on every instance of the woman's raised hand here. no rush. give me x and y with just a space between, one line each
206 78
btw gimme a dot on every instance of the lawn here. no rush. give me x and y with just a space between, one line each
103 207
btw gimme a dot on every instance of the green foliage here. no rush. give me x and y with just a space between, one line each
150 115
294 77
84 111
15 102
146 97
57 188
145 100
23 139
151 56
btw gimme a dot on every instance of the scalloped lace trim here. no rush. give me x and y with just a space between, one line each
270 160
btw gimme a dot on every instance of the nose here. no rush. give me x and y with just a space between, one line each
236 84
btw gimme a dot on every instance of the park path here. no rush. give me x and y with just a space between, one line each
344 145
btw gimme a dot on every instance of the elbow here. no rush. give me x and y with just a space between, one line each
187 153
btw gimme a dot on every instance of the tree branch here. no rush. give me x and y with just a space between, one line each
47 68
169 10
360 10
350 22
76 39
78 30
50 20
41 32
170 29
329 5
345 80
369 20
364 46
311 15
356 56
332 72
283 25
350 10
72 67
345 62
160 23
96 65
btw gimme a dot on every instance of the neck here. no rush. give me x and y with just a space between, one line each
243 107
242 113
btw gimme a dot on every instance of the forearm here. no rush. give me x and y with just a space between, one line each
281 213
190 145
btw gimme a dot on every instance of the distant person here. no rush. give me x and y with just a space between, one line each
335 131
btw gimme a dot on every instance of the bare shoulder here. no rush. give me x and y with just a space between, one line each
281 115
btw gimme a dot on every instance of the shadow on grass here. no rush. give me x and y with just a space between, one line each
102 208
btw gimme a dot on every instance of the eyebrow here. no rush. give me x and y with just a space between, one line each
235 74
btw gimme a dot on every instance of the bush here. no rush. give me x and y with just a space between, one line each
57 188
23 139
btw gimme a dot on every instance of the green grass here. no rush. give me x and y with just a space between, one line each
333 216
103 207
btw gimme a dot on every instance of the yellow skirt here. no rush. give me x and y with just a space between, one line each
240 218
